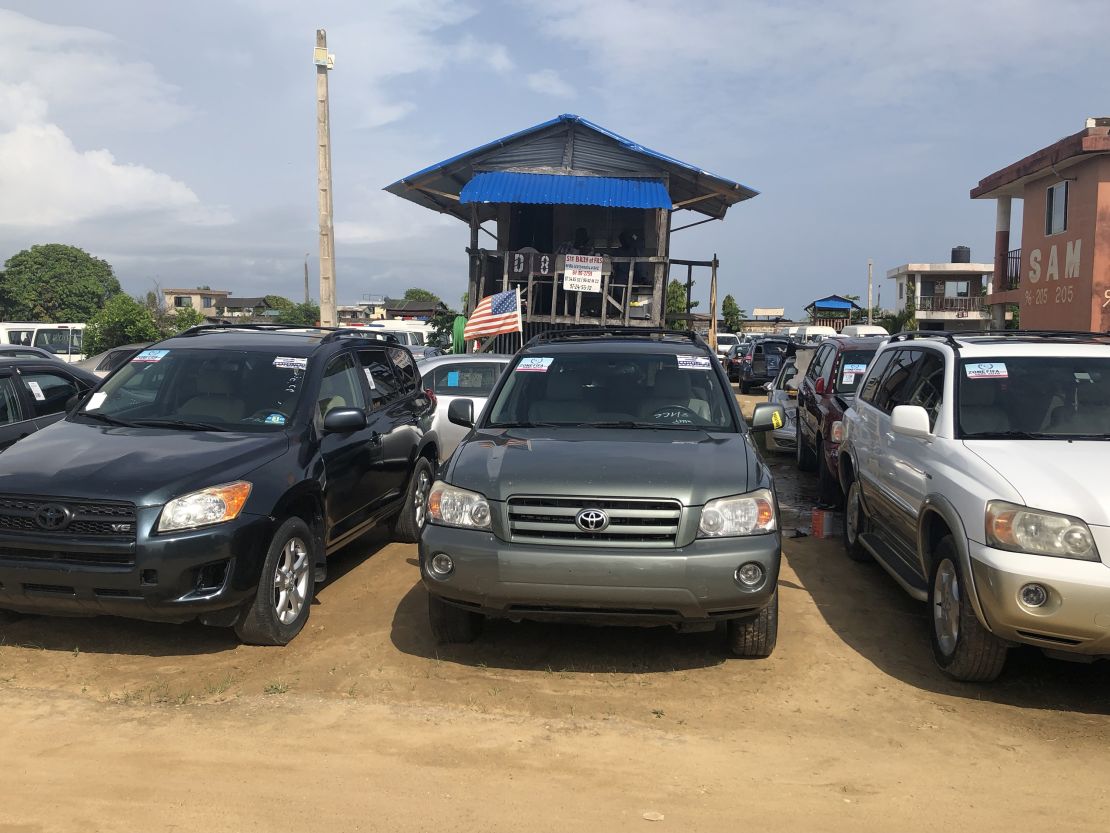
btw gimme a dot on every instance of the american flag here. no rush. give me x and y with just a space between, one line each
495 314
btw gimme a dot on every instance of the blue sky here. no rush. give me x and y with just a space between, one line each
178 140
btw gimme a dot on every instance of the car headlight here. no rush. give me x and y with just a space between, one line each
451 506
1021 529
750 514
205 507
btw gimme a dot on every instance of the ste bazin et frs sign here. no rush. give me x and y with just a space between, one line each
582 273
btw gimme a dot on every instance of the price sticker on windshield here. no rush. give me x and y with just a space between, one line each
986 370
150 356
291 362
36 391
693 362
533 364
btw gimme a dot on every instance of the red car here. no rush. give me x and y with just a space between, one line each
824 394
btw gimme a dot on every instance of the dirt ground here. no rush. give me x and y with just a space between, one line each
363 723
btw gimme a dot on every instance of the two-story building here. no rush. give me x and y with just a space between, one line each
1059 277
207 302
945 296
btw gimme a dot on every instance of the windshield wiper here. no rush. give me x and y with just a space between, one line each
180 424
534 424
629 423
107 420
1008 435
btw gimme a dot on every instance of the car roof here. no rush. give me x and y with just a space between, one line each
855 342
296 341
469 358
1011 343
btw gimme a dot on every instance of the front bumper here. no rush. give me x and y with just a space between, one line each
169 578
688 584
1076 617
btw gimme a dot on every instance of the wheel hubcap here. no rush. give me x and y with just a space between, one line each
291 581
423 486
946 607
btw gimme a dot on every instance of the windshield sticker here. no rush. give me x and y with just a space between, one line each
847 378
36 391
291 362
452 378
95 401
986 370
855 368
533 364
275 419
148 356
369 378
1080 376
693 362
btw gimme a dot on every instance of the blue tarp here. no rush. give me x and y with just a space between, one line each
833 302
558 189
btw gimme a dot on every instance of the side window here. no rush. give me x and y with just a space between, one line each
816 367
9 402
894 389
871 385
384 387
406 369
340 387
928 386
49 392
758 351
476 379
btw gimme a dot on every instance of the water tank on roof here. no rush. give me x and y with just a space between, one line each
961 254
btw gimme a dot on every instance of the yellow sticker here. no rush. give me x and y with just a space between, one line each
776 420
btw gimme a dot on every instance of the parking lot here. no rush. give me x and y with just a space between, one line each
364 723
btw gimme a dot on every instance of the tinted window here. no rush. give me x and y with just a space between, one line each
384 387
775 348
61 340
405 366
850 367
895 387
49 392
871 386
475 379
9 402
340 387
928 386
817 366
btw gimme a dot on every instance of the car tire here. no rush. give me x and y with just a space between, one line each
754 637
453 624
743 386
828 486
410 521
962 647
286 587
803 454
855 523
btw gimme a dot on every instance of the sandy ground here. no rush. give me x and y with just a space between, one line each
363 723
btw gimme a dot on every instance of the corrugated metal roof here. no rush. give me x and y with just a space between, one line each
573 145
559 189
833 302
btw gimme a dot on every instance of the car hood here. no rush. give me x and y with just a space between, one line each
1054 475
689 466
146 466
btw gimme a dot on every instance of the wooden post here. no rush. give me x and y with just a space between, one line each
504 271
689 285
323 172
659 285
713 304
628 291
475 262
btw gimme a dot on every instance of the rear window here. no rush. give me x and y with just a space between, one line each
464 378
850 369
775 348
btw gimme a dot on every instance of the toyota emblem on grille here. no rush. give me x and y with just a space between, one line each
53 517
592 520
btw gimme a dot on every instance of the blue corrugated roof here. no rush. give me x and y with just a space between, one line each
833 302
557 189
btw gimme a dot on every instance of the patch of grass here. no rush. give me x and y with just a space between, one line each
218 686
276 687
658 712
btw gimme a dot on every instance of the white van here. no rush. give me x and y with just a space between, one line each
813 333
66 341
857 330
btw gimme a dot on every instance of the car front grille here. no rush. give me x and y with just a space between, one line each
110 520
631 522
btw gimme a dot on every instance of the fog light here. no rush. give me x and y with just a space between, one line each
442 564
749 575
1033 595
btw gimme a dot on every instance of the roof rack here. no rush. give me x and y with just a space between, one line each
331 333
653 333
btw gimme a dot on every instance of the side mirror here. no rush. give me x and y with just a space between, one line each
768 416
461 412
344 420
770 386
819 385
910 421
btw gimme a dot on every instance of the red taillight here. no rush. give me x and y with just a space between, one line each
749 357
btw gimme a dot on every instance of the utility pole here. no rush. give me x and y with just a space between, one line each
869 321
307 297
713 304
324 62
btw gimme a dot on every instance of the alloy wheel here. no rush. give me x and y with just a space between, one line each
420 497
291 581
946 607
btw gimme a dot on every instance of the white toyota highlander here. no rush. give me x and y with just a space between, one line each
975 472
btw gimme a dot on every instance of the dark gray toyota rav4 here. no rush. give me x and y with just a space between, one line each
610 479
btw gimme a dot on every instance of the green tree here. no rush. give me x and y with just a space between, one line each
278 302
676 305
418 294
732 314
183 319
300 315
55 282
123 320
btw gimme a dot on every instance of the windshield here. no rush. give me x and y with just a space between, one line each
614 390
1042 397
850 368
726 340
60 340
202 389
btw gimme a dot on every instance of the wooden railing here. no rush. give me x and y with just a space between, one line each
939 303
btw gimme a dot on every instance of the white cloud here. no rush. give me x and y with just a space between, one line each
549 82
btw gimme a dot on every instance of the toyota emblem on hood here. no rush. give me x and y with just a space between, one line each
592 520
53 517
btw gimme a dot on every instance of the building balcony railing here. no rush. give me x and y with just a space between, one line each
1013 269
940 303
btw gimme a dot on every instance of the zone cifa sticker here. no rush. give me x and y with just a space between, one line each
290 362
150 356
693 362
533 364
986 370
